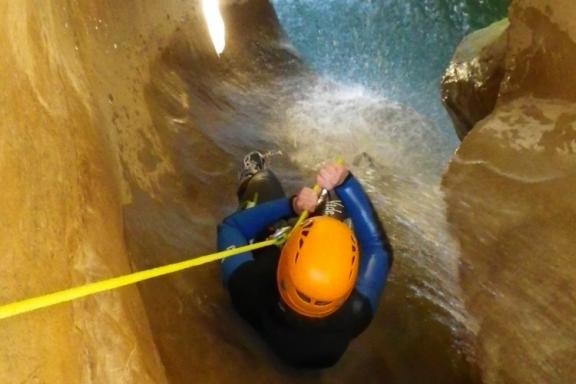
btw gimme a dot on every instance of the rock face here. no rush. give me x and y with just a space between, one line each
471 83
61 200
510 194
97 182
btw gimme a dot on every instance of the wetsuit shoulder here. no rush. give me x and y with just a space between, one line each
375 250
241 227
251 222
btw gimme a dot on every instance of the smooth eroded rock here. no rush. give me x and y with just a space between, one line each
510 189
471 83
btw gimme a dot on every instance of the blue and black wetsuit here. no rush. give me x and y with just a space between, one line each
251 277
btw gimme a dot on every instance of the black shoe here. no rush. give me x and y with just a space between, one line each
253 163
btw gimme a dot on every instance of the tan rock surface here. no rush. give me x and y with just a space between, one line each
510 190
471 83
62 195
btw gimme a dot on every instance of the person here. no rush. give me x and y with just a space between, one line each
321 290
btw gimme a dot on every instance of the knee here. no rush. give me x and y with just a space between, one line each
361 312
230 265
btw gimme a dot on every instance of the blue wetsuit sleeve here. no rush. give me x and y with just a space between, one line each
231 237
241 227
375 257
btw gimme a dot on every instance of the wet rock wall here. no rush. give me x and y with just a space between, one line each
73 122
509 193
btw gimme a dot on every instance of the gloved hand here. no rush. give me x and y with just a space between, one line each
331 176
305 201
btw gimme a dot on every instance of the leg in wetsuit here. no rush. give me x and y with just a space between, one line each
254 277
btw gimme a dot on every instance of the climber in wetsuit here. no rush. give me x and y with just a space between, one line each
310 299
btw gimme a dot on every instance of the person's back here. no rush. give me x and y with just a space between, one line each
307 305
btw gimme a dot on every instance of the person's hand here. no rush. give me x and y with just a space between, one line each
331 176
305 201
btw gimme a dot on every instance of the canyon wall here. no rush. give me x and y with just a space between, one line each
509 191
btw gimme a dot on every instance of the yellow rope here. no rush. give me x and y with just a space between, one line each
34 303
66 295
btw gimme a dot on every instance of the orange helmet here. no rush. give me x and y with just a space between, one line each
318 267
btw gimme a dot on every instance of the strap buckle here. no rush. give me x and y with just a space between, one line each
281 235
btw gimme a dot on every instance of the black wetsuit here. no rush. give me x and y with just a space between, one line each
251 277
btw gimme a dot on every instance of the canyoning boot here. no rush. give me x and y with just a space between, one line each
253 163
257 182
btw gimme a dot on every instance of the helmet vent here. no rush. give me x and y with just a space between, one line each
303 296
301 243
350 275
296 258
308 225
353 248
305 233
353 259
322 303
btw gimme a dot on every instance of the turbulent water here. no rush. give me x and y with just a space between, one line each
397 48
